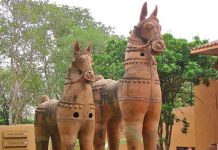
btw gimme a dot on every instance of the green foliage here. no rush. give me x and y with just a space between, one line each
176 66
110 62
179 71
36 50
186 125
27 121
167 114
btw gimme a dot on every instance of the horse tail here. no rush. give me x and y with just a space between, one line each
99 77
44 98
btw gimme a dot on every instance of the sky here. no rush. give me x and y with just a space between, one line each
181 18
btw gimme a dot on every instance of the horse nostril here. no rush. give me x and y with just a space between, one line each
160 43
90 72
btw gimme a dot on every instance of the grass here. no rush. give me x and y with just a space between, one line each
122 141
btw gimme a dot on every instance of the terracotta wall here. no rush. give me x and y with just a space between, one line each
178 138
17 137
206 114
203 118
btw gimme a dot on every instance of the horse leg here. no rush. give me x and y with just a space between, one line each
68 133
150 126
41 138
102 116
55 138
114 131
133 113
86 136
100 136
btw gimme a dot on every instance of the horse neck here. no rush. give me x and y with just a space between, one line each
135 43
73 73
138 58
133 36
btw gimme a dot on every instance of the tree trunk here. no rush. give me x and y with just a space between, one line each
19 111
160 134
17 118
13 103
11 108
168 136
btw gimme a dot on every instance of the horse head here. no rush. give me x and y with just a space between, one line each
148 30
83 62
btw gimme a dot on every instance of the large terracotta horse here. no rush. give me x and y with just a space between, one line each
76 110
137 97
73 116
139 91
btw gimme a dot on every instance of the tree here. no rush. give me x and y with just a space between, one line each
34 36
179 71
19 54
110 63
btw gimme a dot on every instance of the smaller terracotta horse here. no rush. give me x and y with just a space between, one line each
74 115
76 110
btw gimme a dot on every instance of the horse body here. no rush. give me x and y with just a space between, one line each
139 91
108 116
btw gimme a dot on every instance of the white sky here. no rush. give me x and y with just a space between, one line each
182 18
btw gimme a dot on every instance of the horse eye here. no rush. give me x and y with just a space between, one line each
148 26
81 59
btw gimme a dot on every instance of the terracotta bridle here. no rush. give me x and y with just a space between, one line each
144 44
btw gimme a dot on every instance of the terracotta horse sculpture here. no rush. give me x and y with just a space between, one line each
137 97
73 116
108 116
45 125
76 110
139 92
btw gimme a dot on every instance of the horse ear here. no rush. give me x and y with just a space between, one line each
144 11
88 49
76 48
154 13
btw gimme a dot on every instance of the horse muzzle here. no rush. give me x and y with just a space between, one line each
158 46
89 76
